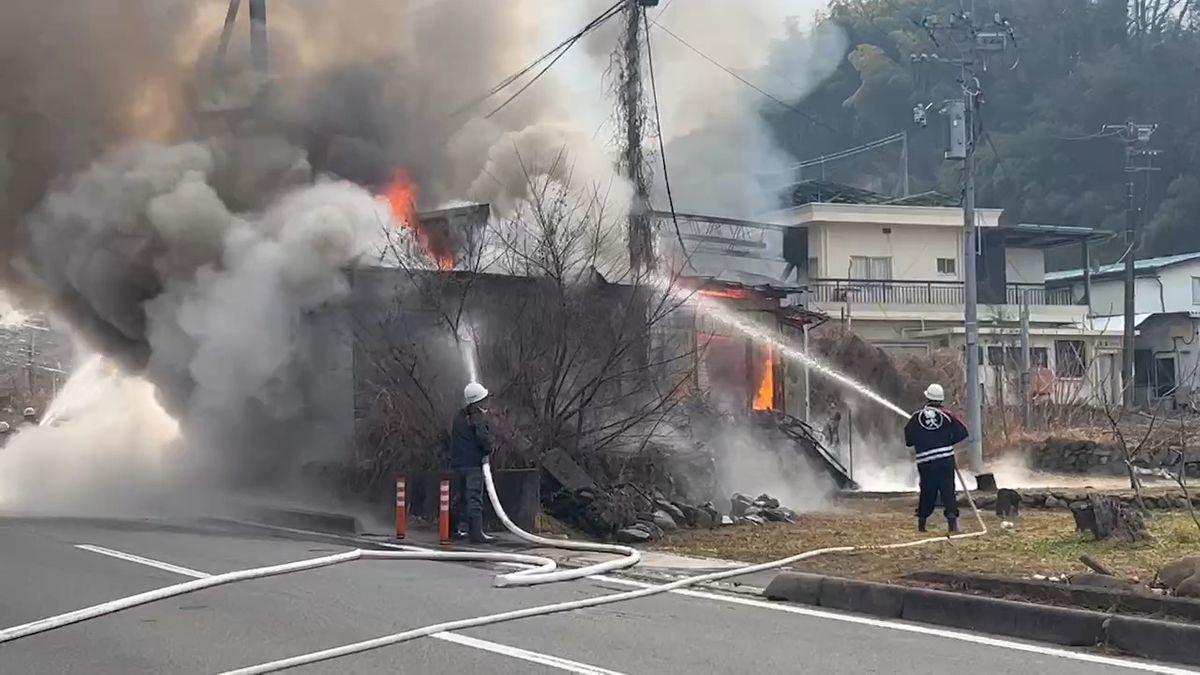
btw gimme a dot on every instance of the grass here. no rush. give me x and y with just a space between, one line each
1043 542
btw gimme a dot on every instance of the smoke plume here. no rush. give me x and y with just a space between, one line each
192 227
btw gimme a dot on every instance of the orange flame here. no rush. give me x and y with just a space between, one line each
401 194
732 293
764 398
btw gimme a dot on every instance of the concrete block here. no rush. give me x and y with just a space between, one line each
795 587
1153 639
1058 625
882 600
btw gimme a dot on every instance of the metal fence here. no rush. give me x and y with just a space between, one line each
869 291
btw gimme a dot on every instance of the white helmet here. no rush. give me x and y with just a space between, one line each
474 393
934 392
29 412
4 427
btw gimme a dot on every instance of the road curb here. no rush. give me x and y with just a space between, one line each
1148 638
334 523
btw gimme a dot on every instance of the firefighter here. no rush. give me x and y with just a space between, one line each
470 445
29 418
932 433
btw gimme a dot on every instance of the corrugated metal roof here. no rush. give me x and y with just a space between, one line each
1143 265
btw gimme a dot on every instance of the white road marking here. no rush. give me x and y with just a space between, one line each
129 557
525 655
877 623
917 628
565 665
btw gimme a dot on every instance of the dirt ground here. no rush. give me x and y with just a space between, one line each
1043 542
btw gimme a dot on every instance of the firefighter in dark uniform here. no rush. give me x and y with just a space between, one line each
932 433
470 445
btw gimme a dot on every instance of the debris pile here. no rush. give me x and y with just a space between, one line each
759 511
627 513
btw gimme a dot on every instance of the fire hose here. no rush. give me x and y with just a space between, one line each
534 570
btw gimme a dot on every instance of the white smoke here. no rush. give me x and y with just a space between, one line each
221 301
105 447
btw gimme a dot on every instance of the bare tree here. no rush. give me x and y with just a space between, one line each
579 352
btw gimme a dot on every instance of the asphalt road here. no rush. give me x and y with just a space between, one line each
43 571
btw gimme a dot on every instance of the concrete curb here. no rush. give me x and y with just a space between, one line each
335 523
1148 638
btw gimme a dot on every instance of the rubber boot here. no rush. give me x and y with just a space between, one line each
477 535
921 526
953 524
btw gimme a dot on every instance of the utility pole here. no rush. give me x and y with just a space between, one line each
1026 362
1135 137
633 118
976 44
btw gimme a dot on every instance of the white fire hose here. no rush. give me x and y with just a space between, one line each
535 570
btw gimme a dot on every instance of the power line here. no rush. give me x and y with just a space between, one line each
662 146
553 55
812 118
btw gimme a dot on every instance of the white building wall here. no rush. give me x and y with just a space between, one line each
1176 291
1108 296
914 249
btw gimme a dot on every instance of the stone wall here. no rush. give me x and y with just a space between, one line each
1154 498
1064 455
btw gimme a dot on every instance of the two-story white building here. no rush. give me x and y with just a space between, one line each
892 269
1166 315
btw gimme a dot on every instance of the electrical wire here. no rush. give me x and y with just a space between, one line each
554 54
812 118
596 23
662 146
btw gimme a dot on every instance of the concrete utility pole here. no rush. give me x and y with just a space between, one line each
1026 361
975 44
633 118
1135 137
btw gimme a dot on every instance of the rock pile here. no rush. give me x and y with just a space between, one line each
628 514
759 511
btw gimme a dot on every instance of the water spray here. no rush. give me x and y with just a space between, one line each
723 314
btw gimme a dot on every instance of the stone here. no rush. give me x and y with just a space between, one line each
752 511
1173 574
778 515
632 535
672 510
664 521
1189 587
1053 502
1033 499
714 517
767 502
757 520
726 521
739 503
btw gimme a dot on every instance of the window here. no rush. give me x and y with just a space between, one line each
947 266
1196 290
864 267
1070 359
1010 357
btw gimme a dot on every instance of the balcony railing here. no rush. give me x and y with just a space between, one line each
874 292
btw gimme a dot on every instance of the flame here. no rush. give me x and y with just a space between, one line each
401 194
732 293
764 399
